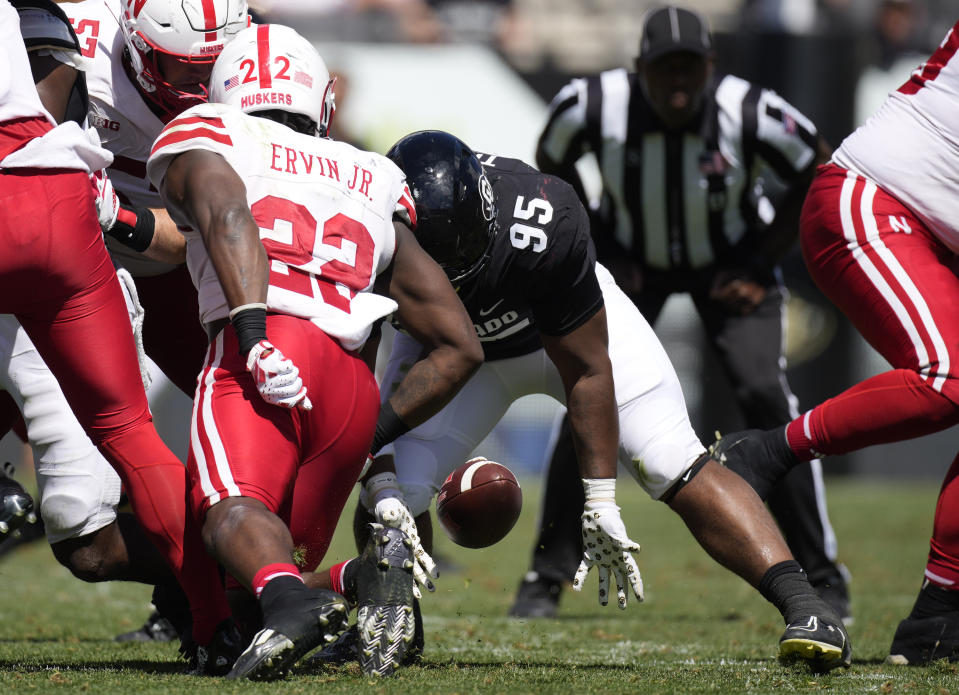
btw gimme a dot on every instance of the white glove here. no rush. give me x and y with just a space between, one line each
390 509
277 378
137 314
606 545
106 201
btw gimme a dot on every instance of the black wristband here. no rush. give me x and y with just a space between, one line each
388 427
134 227
250 328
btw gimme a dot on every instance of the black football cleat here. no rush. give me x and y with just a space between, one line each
171 618
290 635
820 641
538 597
930 632
339 652
385 607
760 457
155 629
345 649
920 641
218 656
16 505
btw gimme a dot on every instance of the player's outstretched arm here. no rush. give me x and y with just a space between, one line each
203 189
430 311
382 496
583 362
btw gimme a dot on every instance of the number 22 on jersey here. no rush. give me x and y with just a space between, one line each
288 232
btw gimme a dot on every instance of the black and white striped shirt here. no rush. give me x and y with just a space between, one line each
678 200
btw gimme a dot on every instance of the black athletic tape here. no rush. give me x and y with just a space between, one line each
250 327
388 427
135 227
686 478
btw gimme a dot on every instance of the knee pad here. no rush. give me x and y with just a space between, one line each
77 497
70 516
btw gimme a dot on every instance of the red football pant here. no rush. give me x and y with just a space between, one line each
898 285
56 277
301 464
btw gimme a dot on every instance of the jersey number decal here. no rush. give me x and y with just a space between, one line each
288 232
93 26
523 235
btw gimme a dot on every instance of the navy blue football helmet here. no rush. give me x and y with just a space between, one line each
455 209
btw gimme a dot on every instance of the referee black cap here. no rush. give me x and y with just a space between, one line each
672 29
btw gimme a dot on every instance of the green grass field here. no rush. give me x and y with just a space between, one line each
701 630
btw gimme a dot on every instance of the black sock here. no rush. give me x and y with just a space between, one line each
786 586
350 572
280 593
934 600
762 458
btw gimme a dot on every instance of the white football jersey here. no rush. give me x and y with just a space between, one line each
126 125
63 146
324 208
910 147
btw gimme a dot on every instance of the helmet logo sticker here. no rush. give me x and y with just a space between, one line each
486 193
302 78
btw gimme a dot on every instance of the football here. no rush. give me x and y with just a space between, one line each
479 503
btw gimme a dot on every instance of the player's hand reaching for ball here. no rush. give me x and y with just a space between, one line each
606 545
276 377
389 508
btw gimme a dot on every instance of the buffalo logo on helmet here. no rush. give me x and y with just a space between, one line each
486 194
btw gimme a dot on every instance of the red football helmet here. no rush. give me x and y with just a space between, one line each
172 45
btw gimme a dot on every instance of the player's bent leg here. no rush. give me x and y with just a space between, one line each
893 279
119 551
732 524
799 506
338 430
729 520
256 548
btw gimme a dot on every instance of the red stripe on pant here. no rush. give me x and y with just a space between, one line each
898 289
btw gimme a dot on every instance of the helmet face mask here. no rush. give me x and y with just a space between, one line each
455 206
270 67
171 46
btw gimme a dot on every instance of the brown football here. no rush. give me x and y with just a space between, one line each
479 503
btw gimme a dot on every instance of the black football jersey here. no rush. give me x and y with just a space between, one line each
541 273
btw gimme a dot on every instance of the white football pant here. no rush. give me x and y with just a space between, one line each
657 442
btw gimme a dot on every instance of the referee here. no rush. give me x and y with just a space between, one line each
683 155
